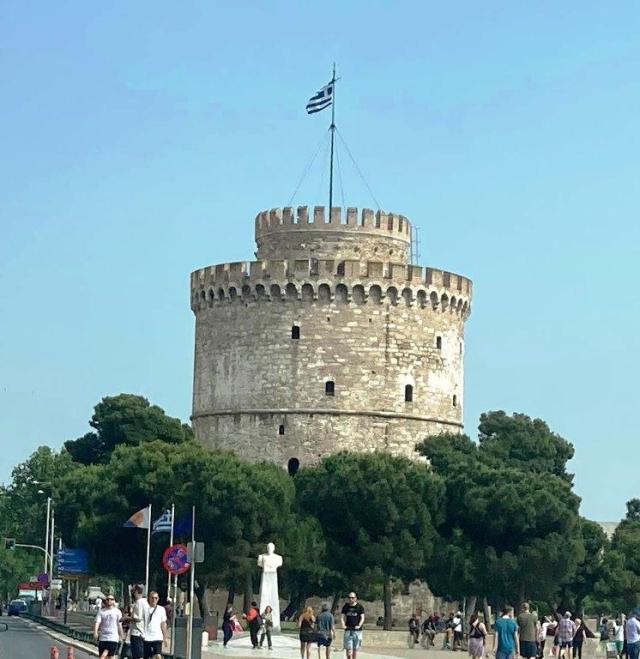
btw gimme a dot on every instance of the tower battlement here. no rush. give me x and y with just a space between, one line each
285 233
329 340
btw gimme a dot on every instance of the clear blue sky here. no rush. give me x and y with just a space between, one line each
138 140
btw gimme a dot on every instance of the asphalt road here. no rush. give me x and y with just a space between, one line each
22 641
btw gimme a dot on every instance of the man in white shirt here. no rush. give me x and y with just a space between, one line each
155 628
632 630
457 630
138 617
107 629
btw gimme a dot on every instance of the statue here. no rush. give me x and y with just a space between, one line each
270 562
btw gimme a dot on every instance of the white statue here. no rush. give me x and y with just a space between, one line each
270 562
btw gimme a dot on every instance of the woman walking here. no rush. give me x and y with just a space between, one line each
578 639
227 625
477 636
267 626
306 622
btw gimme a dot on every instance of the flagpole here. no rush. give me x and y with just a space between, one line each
173 510
146 569
332 128
191 586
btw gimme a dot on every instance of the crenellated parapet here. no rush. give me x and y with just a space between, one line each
292 233
325 280
300 219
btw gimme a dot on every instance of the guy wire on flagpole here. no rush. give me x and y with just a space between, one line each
332 128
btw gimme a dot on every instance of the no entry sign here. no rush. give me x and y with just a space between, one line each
176 559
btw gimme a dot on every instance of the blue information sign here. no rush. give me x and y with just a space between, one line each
73 561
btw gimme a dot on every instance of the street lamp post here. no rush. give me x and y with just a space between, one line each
46 536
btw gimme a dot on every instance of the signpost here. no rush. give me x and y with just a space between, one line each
73 561
175 561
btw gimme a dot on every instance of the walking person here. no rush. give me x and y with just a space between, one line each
306 625
565 631
527 632
267 626
352 623
254 619
107 629
619 636
155 628
456 626
477 637
578 638
327 631
137 621
542 636
632 632
505 640
227 625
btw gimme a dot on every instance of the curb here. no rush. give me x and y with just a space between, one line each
67 640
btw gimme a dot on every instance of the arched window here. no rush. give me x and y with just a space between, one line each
408 393
281 429
330 388
439 342
292 466
295 332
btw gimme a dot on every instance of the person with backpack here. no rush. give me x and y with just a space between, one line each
477 637
254 619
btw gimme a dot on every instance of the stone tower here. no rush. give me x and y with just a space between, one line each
330 340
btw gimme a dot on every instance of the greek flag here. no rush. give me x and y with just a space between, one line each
321 100
163 523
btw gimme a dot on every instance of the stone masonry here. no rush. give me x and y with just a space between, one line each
329 341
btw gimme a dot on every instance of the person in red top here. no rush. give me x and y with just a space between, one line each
252 616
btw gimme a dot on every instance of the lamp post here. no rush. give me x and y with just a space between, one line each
46 535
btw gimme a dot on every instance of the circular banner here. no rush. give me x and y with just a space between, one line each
175 559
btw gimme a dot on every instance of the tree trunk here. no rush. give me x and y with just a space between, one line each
471 605
248 592
335 602
386 596
487 613
296 602
231 593
201 593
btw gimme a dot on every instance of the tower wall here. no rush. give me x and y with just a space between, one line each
371 327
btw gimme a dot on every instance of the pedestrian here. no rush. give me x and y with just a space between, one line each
542 636
414 628
326 631
448 633
254 619
352 623
267 626
619 636
578 638
98 603
429 631
306 624
155 628
527 632
138 617
107 629
632 632
456 625
505 640
227 625
477 637
565 631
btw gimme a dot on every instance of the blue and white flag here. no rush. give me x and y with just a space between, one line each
321 99
163 523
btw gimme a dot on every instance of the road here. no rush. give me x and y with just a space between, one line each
23 641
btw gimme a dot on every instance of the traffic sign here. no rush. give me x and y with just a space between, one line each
198 553
73 561
175 559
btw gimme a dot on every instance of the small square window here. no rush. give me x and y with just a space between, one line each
295 332
330 388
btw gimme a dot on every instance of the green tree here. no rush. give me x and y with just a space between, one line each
239 508
618 589
379 514
128 420
512 526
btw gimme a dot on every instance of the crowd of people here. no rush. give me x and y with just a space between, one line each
140 632
527 636
318 630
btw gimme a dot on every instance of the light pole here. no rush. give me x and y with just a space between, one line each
46 535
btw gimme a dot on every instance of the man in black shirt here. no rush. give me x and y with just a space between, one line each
352 622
